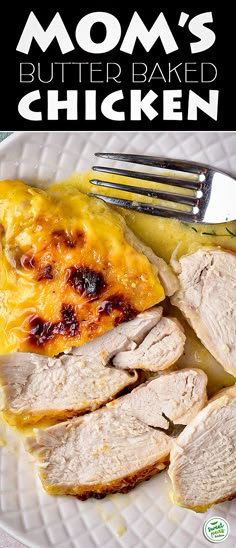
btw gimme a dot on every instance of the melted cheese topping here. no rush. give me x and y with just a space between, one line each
67 272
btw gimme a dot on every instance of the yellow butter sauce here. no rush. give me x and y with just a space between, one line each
198 509
24 429
163 235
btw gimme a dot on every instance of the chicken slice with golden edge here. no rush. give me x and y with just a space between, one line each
207 298
202 458
68 273
97 454
116 447
35 387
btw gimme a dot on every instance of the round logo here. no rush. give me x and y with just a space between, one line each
216 529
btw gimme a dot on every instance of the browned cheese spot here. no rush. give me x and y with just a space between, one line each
119 303
42 331
87 282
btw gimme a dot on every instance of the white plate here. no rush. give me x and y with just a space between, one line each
145 517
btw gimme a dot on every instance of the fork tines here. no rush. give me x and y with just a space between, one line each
160 162
143 207
177 180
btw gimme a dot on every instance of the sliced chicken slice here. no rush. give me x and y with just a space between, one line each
163 270
100 453
207 298
177 397
203 457
162 347
125 336
35 387
115 448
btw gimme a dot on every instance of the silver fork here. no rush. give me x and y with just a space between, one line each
213 198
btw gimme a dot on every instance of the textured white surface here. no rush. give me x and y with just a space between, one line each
145 517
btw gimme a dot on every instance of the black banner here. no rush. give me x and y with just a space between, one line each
155 68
